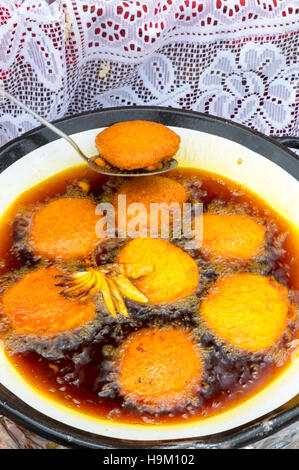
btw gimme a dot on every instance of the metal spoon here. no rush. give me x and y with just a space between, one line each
109 170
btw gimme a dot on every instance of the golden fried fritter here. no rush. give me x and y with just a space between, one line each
151 190
159 370
137 144
64 229
34 305
232 236
175 274
248 311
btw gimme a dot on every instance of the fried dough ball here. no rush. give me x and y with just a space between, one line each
159 370
151 190
34 305
232 236
137 144
64 229
248 311
175 274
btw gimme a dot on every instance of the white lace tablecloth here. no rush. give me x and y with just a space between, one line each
237 59
232 58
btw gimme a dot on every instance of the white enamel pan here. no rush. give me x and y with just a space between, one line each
268 169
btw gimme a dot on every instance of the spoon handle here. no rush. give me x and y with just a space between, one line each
45 123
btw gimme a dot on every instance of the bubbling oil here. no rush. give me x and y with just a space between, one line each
84 378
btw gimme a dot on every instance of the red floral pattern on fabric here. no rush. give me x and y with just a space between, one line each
81 55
